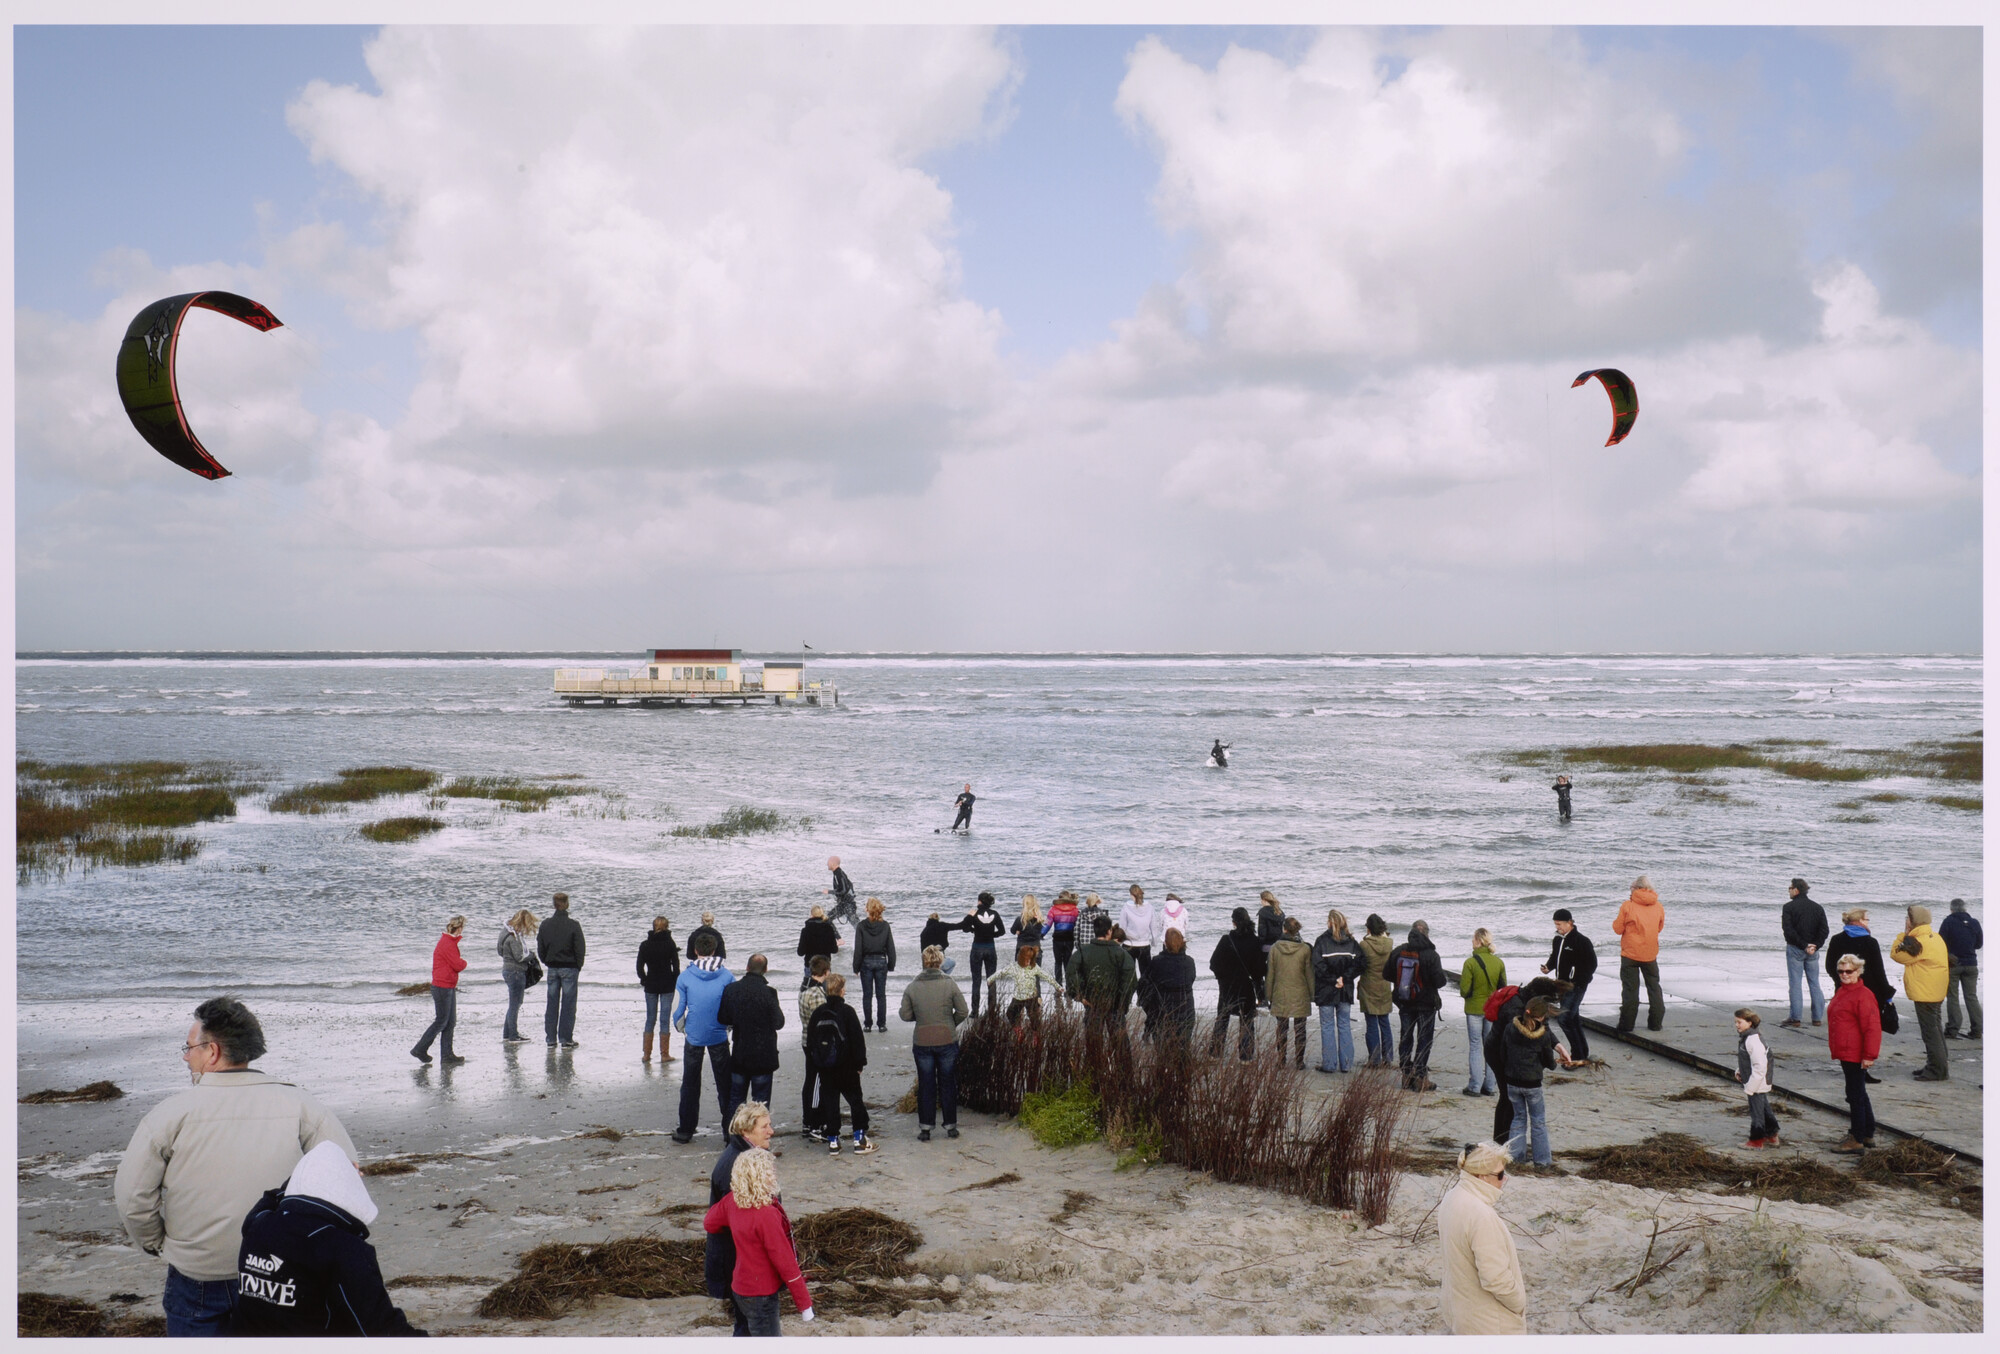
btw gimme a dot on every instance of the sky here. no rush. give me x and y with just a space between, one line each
955 338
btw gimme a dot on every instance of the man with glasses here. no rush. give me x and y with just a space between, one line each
200 1159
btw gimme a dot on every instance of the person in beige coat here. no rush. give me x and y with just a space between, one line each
1483 1292
1290 986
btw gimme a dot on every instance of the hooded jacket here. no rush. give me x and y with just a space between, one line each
1927 973
659 962
1378 994
938 933
1430 971
1528 1051
985 925
934 1003
698 992
1336 964
446 964
874 938
1639 922
1803 921
1484 974
1270 925
304 1264
200 1159
1753 1062
1238 966
1290 979
1962 938
1172 976
1572 957
513 954
753 1015
1142 925
1174 917
1062 917
1103 974
721 950
818 936
560 942
1873 976
1482 1290
1853 1025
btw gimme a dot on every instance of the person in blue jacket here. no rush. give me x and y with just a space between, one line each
697 997
305 1266
1962 941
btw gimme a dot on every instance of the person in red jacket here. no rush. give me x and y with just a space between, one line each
766 1260
445 968
1854 1037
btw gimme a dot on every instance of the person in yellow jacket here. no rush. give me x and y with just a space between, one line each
1483 1291
1926 977
1638 924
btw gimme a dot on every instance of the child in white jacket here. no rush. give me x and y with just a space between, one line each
1753 1069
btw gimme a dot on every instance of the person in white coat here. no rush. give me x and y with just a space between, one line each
1140 921
1753 1069
1174 917
1483 1292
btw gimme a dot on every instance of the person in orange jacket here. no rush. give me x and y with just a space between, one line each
1638 924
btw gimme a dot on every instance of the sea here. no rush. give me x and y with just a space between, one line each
1383 784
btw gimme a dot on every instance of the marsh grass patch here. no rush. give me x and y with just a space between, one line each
1952 759
528 796
355 785
405 829
1965 802
741 820
71 814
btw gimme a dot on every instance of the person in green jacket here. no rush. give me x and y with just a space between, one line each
1377 996
1103 977
1290 987
1482 976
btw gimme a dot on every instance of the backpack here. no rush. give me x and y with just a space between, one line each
826 1045
1501 996
1409 975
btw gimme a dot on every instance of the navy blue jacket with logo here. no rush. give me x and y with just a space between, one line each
306 1268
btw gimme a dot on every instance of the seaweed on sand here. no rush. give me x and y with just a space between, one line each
41 1315
1668 1161
96 1090
1916 1164
1692 1093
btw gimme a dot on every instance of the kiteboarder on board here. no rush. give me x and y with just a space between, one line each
964 820
1219 754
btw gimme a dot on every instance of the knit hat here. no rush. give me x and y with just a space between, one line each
1562 914
1483 1158
326 1174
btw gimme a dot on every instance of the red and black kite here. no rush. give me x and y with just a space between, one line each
146 373
1624 400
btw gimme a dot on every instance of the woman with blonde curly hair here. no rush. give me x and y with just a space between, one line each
766 1259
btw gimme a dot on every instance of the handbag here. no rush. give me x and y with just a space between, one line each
533 973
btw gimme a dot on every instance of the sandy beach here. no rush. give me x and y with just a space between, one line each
1020 1239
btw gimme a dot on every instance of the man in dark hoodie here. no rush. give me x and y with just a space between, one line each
1804 924
1239 966
305 1267
749 1127
1573 959
1416 977
752 1013
838 1048
559 942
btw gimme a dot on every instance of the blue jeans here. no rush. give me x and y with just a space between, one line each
937 1070
197 1306
1336 1037
758 1315
444 1005
1798 963
559 1020
875 992
1381 1042
718 1061
1531 1125
985 959
1478 1076
517 990
745 1086
659 1011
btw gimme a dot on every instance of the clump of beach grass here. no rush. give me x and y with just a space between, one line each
1062 1118
1966 802
115 813
355 785
406 829
1959 759
513 791
741 820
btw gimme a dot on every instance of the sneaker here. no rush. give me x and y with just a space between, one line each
1848 1147
569 1043
1816 1024
1791 1024
923 1135
1774 1141
423 1058
1925 1074
513 1039
451 1059
863 1144
1753 1144
833 1146
951 1130
1470 1090
683 1138
1491 1093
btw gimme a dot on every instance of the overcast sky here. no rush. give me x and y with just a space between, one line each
955 338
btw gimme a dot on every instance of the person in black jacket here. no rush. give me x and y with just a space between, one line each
1551 990
1336 968
305 1267
817 936
1416 976
1173 985
754 1016
1561 787
1853 938
559 942
659 965
987 928
749 1127
1238 966
1963 940
1804 924
843 893
707 928
843 1077
1573 959
1530 1047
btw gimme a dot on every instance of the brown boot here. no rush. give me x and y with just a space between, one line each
1849 1147
647 1056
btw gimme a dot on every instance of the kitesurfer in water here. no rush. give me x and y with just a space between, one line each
964 819
843 893
1561 787
1219 754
